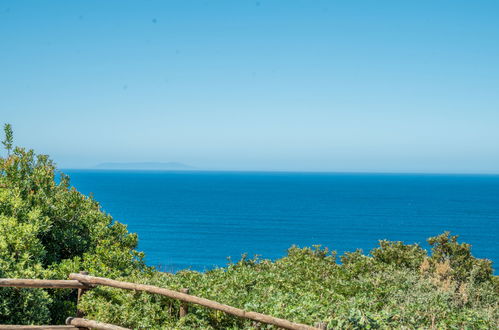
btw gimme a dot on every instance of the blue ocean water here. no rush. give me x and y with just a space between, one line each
197 219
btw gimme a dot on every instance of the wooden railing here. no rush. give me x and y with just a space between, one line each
71 323
83 282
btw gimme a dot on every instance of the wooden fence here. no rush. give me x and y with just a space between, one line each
83 282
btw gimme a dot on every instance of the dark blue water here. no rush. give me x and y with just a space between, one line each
197 219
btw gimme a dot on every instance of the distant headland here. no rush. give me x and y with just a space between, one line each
145 166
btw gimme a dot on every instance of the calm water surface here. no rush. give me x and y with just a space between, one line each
197 219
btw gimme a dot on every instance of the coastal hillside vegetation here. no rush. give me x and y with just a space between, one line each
48 230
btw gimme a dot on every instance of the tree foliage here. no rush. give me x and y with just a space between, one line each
48 230
9 138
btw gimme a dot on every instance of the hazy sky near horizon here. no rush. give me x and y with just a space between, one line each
382 86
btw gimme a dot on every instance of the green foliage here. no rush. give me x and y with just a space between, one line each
308 286
445 248
48 230
9 138
399 254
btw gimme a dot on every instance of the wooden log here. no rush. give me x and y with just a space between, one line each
183 306
48 284
191 299
38 327
84 323
79 312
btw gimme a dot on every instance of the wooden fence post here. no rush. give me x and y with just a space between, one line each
183 305
79 313
321 325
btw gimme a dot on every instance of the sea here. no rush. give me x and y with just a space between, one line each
201 220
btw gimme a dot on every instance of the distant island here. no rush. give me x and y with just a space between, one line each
145 166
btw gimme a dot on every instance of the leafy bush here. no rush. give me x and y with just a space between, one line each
48 230
308 286
446 249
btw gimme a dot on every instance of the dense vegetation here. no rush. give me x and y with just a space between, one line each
48 229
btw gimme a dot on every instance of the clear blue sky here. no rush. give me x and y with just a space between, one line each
382 86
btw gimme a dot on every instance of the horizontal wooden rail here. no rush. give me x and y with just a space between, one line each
92 280
38 327
84 323
48 284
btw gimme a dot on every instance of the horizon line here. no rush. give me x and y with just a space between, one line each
278 171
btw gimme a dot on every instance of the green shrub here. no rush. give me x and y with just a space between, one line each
399 254
306 286
445 248
47 230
